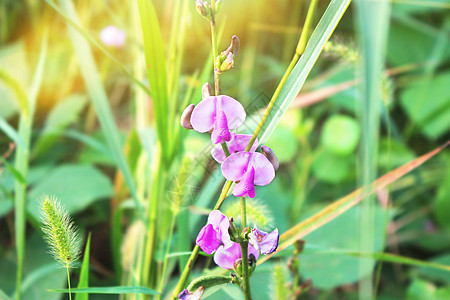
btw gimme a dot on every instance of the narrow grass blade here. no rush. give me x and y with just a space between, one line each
17 175
340 206
117 290
11 133
373 21
21 164
296 79
84 273
100 101
156 67
16 87
94 42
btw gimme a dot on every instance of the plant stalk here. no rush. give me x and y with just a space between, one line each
68 282
244 252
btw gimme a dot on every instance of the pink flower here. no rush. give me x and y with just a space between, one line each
237 143
214 233
225 257
249 169
263 241
219 114
113 36
186 295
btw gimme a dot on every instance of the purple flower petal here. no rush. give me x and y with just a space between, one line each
236 165
263 241
208 239
186 295
204 115
226 256
221 223
113 36
234 111
237 143
220 133
245 187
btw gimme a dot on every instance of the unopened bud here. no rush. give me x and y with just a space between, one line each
206 90
226 64
218 6
203 8
271 156
185 120
238 267
234 45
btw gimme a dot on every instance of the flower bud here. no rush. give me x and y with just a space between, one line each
234 45
271 156
238 267
218 6
223 65
203 9
206 90
186 117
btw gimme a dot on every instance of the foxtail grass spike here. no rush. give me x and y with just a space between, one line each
60 232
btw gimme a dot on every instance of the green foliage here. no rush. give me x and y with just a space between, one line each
84 273
340 135
64 182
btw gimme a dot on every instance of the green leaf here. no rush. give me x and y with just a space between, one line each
100 101
84 273
437 275
66 112
441 208
296 79
432 117
14 59
340 135
11 133
284 143
17 175
330 167
420 290
76 186
340 233
111 290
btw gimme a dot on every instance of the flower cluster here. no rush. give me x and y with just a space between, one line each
214 238
218 115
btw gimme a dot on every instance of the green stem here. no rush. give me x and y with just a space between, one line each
68 282
244 252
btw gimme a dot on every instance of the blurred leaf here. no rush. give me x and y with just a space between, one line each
343 204
17 175
284 143
111 290
40 270
341 233
66 112
393 154
340 135
84 273
13 59
403 44
18 89
441 208
420 290
77 187
11 132
426 103
330 167
3 296
437 275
